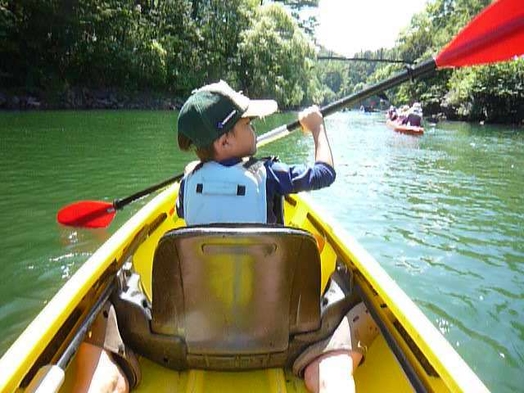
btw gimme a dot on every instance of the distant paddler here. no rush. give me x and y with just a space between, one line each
414 115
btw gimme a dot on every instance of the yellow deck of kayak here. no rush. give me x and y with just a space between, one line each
428 355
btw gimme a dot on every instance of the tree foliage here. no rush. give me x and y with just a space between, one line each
274 57
492 93
172 46
263 47
304 12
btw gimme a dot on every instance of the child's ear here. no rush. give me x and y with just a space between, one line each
221 142
226 139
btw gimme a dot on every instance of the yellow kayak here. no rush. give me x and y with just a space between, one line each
247 293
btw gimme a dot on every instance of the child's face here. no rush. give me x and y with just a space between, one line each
244 139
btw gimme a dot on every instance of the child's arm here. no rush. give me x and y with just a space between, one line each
311 120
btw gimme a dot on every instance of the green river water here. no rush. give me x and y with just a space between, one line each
442 213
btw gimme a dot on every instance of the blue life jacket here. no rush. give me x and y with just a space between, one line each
214 193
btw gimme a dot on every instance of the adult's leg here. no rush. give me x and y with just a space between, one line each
332 372
330 364
97 372
105 363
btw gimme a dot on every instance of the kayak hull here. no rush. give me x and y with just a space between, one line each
410 352
405 129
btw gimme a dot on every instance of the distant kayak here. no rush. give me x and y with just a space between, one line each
404 128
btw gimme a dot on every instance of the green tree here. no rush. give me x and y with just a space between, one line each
178 42
220 25
304 12
492 93
36 39
149 45
274 57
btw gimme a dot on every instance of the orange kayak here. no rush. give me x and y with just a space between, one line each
404 128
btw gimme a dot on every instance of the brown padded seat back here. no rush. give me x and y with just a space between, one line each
229 290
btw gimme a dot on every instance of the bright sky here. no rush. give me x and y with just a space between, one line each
347 26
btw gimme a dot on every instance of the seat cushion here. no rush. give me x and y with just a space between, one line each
236 290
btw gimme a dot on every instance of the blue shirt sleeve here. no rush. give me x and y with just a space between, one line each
289 179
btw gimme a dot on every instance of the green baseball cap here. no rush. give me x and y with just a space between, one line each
214 109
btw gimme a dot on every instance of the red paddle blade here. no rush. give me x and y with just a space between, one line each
496 34
87 214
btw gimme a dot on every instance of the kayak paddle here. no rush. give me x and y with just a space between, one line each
99 214
494 35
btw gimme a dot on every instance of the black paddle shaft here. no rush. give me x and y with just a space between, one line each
120 203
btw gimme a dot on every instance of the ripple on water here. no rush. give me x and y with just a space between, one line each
443 213
446 209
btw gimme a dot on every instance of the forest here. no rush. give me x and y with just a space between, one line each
152 54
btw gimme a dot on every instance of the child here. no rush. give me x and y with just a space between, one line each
228 185
216 121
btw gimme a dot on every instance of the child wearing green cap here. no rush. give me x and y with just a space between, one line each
216 122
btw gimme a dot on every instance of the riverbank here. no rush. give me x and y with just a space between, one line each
83 98
86 98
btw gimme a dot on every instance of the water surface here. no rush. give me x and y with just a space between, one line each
442 213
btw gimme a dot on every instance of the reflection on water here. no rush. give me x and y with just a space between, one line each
443 213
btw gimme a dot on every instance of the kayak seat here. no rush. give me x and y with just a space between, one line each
230 298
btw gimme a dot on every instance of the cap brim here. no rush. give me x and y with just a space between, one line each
260 108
